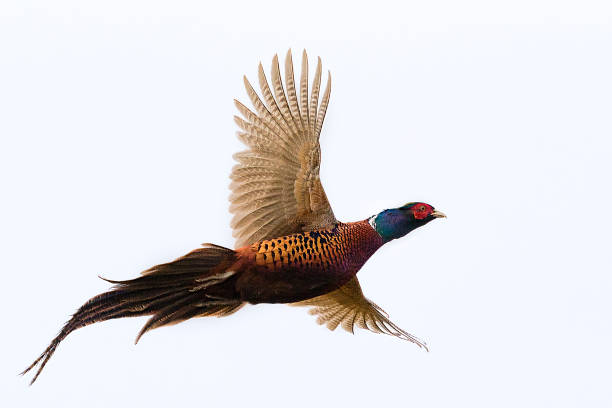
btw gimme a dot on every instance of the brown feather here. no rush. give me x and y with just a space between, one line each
347 307
171 292
276 188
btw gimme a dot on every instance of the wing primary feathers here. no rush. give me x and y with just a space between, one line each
348 307
256 121
314 98
281 98
279 170
350 326
270 101
294 106
263 111
323 107
337 318
304 91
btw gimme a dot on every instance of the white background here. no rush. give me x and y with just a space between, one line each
117 135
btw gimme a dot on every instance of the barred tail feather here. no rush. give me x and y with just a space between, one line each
170 292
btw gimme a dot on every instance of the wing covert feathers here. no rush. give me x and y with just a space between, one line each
348 307
276 189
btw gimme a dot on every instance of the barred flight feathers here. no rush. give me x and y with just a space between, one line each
347 307
276 189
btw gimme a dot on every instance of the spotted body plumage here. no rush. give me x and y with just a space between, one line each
331 249
290 246
297 266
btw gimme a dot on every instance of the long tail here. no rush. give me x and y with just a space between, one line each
187 287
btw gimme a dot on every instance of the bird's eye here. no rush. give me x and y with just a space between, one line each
422 208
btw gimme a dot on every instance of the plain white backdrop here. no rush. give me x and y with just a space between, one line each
116 141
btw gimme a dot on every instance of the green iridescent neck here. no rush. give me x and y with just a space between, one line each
394 223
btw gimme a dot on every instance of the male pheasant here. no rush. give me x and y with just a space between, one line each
290 246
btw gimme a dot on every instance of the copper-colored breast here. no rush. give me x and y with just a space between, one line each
303 265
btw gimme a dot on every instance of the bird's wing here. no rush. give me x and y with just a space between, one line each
275 186
347 307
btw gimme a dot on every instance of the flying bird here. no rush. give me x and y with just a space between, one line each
290 246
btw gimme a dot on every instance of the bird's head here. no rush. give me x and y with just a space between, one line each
397 222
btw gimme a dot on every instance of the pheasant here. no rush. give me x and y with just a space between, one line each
290 247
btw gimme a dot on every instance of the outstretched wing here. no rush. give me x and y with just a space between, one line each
347 307
275 186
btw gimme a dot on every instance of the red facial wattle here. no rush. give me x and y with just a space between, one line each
421 211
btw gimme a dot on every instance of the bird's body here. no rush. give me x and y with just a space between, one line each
304 265
290 246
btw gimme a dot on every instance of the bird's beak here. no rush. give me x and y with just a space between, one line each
438 214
